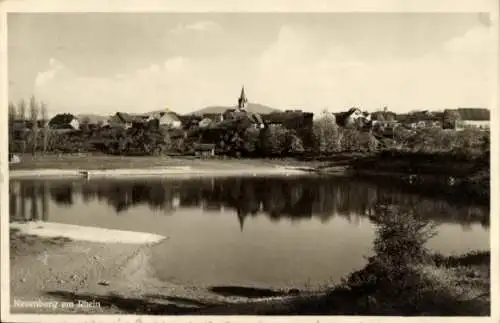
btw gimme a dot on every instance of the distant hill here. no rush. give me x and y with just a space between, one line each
252 107
92 118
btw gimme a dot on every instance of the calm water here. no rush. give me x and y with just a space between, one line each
263 232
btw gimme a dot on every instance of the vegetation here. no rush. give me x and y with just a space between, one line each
239 138
404 278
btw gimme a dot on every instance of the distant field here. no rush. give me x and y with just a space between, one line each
113 162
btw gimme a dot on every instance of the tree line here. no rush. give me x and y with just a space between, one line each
238 138
35 120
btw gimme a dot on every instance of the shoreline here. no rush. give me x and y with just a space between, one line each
74 232
157 172
119 278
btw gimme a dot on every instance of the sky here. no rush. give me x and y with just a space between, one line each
137 62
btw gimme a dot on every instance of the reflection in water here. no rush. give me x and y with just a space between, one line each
278 198
294 230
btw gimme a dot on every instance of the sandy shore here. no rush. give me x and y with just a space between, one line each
94 275
83 233
60 275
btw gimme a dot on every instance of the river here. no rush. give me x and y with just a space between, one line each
253 231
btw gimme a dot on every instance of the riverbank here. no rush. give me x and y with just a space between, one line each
117 167
457 175
115 278
107 162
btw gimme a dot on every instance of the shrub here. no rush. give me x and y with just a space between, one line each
401 236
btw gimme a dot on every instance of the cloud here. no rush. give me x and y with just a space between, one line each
46 76
178 83
294 71
298 72
200 26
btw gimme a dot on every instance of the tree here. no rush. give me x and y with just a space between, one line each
273 141
450 118
12 117
295 145
351 140
12 112
85 124
251 140
326 133
21 108
34 124
43 108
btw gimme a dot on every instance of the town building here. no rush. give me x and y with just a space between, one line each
241 112
127 120
352 117
477 124
477 118
64 122
166 119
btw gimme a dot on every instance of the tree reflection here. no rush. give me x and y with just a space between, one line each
293 198
62 194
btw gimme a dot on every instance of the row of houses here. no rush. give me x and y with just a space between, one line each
291 119
463 118
67 121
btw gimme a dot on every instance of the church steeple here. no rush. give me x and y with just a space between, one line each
242 101
241 219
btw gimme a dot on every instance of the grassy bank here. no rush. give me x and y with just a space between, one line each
457 165
104 162
455 174
452 287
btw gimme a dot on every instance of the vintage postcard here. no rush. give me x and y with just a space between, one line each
221 161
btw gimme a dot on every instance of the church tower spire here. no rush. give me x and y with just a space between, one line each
242 100
241 219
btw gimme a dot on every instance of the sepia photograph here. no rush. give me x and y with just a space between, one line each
248 163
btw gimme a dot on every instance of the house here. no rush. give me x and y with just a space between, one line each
127 120
351 117
190 121
166 118
477 124
205 122
121 120
204 150
92 120
290 119
64 121
473 118
297 120
382 116
421 124
422 120
385 124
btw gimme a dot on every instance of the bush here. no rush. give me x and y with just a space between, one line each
273 141
401 236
